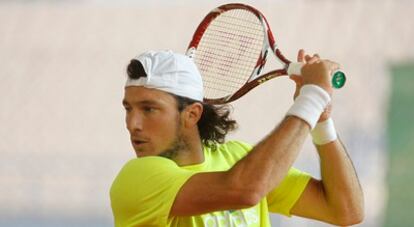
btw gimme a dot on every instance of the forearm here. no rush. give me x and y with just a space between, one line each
249 180
340 182
269 161
266 165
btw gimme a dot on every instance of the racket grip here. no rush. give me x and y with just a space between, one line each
338 77
295 68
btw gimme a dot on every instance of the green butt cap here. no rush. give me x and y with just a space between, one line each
338 79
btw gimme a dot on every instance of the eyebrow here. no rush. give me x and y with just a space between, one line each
143 102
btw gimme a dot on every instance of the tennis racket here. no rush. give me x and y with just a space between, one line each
230 48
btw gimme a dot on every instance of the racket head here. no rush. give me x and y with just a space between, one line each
230 47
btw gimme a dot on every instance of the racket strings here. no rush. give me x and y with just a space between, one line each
234 40
228 51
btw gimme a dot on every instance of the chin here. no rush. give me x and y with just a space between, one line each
141 153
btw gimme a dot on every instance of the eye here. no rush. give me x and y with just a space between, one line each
148 109
127 108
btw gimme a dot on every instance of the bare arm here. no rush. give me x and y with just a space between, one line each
338 197
250 179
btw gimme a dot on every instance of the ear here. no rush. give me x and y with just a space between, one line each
192 114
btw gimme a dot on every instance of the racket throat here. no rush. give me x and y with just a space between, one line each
261 62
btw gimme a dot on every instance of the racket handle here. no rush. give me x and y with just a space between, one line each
338 76
295 68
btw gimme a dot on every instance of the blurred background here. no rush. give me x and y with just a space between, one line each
62 71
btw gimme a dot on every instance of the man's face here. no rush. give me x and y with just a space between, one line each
153 121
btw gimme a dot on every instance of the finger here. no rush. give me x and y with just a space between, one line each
313 59
297 79
294 78
301 55
307 58
332 65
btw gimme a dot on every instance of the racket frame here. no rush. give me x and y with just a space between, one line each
269 44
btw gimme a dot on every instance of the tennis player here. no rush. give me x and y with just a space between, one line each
186 174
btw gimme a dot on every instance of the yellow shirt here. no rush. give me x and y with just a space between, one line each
144 191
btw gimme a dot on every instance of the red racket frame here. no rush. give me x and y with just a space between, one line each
269 44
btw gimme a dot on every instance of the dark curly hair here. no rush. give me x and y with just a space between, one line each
215 121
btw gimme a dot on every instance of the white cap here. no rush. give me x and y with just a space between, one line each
170 72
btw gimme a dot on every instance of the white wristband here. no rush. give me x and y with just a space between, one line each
310 103
324 132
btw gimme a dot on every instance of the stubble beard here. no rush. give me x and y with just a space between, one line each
177 145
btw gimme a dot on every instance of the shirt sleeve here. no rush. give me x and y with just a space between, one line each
144 191
283 197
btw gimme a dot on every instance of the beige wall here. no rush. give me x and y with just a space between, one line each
62 134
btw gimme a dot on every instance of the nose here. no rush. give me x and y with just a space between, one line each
134 122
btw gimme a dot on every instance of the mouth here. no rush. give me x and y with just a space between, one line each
137 142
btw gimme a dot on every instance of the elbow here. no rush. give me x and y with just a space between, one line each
359 217
249 199
348 220
246 197
243 195
351 216
254 194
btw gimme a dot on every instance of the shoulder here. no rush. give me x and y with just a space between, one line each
282 198
144 175
148 164
148 169
238 145
145 189
295 180
235 145
232 150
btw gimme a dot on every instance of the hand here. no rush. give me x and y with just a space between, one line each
299 81
306 59
319 72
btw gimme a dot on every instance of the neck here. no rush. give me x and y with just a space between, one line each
192 153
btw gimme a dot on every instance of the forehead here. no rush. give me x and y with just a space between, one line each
137 94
